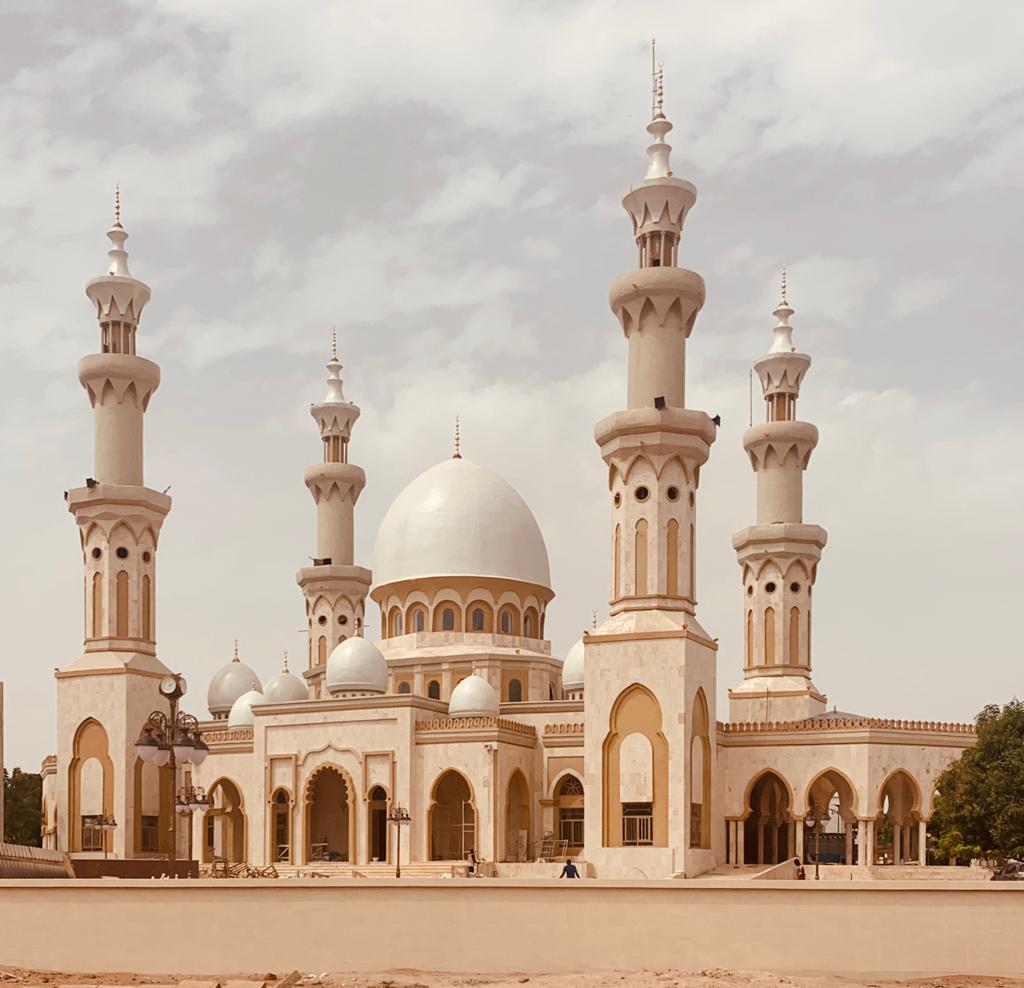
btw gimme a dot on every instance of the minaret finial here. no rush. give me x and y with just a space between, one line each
335 390
334 343
457 455
236 659
593 618
285 669
782 335
117 204
785 301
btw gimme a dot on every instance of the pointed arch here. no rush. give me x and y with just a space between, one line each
97 605
750 637
693 564
640 559
636 710
329 814
225 823
90 787
452 817
517 818
794 636
616 563
699 772
769 636
672 558
769 829
121 606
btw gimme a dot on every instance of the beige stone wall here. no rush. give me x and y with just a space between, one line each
885 928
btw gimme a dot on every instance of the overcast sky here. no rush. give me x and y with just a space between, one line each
442 181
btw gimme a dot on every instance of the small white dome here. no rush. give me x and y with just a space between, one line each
572 668
241 710
357 665
285 687
228 684
473 697
460 519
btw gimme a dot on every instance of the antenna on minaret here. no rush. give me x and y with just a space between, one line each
117 204
457 455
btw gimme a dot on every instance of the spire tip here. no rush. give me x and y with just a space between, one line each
117 204
457 455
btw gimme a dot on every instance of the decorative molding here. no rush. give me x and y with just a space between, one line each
845 724
475 723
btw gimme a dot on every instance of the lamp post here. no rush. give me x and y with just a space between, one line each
107 824
399 817
170 740
189 801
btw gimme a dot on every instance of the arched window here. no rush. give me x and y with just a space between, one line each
477 618
122 604
434 690
640 559
515 691
506 623
448 619
528 629
147 612
418 619
794 636
750 637
672 558
321 650
616 553
769 636
97 605
404 688
692 592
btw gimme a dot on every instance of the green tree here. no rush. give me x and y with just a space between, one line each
23 799
979 806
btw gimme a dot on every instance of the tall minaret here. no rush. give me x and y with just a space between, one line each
649 670
335 589
779 555
104 697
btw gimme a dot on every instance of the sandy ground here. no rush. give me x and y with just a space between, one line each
424 979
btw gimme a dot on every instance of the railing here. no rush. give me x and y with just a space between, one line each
637 830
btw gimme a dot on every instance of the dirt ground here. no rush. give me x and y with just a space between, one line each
425 979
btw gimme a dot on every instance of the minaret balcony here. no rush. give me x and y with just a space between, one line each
782 541
652 293
121 371
658 433
659 204
327 480
118 502
780 444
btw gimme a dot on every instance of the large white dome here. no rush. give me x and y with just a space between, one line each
285 687
460 519
228 684
357 666
474 697
241 710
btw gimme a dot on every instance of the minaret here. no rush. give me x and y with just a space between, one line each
649 670
335 589
779 555
104 697
655 449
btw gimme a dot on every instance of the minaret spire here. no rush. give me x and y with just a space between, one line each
457 455
782 341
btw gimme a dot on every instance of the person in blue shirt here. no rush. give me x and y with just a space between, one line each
570 870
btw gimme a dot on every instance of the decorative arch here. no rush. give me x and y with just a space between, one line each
672 558
640 559
281 806
517 818
898 810
377 843
91 758
452 817
154 803
508 620
769 831
570 809
225 824
480 616
531 623
636 711
700 772
616 564
328 803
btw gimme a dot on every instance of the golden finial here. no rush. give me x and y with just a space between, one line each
593 619
235 659
285 662
785 301
457 455
334 343
117 204
660 94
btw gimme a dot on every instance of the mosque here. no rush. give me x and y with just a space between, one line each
459 716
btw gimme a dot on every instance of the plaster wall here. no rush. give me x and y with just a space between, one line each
897 928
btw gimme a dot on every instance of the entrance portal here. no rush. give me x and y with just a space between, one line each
378 824
452 819
328 816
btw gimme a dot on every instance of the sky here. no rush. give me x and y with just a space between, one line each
442 182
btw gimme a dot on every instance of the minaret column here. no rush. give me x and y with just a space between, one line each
334 587
778 555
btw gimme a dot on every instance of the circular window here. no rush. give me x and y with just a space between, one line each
794 588
750 591
672 493
770 587
147 556
343 619
322 619
641 493
617 500
122 552
96 553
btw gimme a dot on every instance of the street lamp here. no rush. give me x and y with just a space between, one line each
172 740
399 817
107 824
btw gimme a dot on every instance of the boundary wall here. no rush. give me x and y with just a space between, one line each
479 925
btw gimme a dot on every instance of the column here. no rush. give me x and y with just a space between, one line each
897 842
922 842
730 841
871 843
760 844
799 853
741 841
849 841
862 843
791 845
